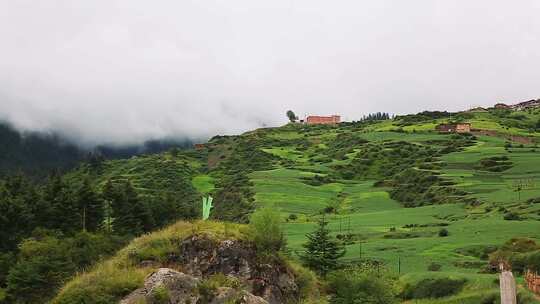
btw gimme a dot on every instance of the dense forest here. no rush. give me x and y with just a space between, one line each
51 230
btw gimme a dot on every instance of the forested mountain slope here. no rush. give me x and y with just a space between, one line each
39 153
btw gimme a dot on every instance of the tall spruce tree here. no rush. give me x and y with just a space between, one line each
131 214
90 207
109 195
322 251
64 211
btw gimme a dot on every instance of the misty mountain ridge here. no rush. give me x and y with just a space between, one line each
37 153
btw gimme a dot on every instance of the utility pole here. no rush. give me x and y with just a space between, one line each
108 216
84 219
508 286
399 265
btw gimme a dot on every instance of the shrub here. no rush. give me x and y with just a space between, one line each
479 251
492 298
443 232
306 280
512 216
105 284
42 267
433 288
361 285
434 267
222 280
265 230
207 291
160 295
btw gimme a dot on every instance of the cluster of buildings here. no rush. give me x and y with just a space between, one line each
442 128
336 119
529 104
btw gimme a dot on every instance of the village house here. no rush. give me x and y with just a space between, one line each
323 120
454 128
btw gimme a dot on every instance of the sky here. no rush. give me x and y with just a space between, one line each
123 71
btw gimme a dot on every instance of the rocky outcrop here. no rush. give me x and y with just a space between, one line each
227 295
177 287
199 258
172 287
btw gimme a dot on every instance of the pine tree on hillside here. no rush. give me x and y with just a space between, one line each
90 207
108 195
123 222
164 210
291 116
322 251
131 214
15 217
64 212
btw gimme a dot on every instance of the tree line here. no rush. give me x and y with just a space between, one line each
376 116
50 230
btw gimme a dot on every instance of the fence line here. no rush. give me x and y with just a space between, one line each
533 281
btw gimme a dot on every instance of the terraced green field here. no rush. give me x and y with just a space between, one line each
406 239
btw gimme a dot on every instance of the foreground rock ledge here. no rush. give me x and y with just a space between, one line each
181 289
199 258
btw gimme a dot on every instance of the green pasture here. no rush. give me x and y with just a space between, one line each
406 239
410 137
495 187
203 183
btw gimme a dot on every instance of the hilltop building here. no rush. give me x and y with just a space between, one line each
323 120
502 106
454 128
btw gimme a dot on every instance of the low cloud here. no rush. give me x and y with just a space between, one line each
126 71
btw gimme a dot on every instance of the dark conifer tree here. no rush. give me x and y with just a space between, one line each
64 211
90 207
14 219
322 251
131 214
165 209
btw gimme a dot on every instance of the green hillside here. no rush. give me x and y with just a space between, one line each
395 192
387 187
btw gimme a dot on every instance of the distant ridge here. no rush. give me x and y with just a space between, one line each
529 104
